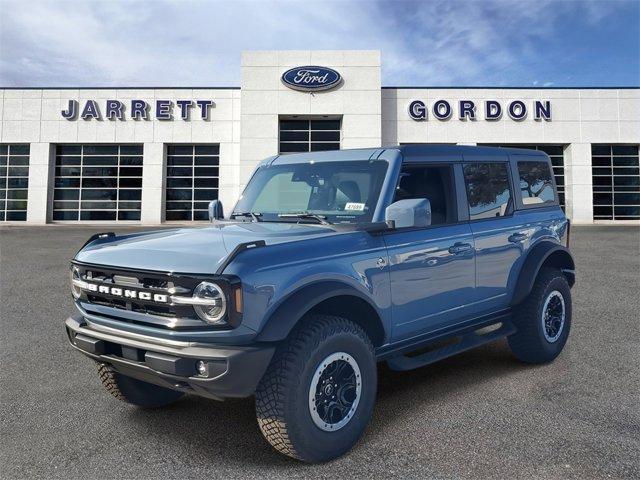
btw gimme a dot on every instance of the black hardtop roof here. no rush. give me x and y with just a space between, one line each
409 152
469 151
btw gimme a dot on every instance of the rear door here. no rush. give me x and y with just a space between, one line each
538 213
497 232
431 269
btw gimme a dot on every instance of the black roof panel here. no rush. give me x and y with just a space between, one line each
469 151
422 151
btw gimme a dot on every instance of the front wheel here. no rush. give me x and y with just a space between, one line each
317 395
543 320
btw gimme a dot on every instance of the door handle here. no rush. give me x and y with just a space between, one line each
459 248
518 237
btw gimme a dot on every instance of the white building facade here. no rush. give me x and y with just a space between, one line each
155 155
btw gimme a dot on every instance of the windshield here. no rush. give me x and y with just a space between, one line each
337 191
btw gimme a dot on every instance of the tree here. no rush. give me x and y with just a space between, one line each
485 182
534 177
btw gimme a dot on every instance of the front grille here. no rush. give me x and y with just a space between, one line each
140 310
132 306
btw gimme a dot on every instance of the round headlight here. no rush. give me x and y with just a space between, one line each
213 303
74 272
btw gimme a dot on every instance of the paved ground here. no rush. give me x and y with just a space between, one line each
477 415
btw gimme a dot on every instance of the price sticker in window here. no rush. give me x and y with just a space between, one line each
354 207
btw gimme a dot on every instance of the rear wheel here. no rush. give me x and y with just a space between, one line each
318 393
543 320
135 392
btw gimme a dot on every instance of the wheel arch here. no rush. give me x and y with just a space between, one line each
544 254
334 298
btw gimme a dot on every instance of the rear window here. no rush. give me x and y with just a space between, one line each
488 190
536 186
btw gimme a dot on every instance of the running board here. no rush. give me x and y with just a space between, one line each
465 341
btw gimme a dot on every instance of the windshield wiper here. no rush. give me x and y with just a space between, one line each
255 217
306 215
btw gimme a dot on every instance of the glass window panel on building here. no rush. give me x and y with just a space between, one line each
309 135
192 181
97 182
616 182
14 182
556 154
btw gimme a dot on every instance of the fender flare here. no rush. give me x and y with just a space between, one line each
293 307
543 252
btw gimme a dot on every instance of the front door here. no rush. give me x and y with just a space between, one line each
432 270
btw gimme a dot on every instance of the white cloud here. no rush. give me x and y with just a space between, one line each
198 43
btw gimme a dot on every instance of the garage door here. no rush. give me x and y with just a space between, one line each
616 182
98 183
192 181
14 182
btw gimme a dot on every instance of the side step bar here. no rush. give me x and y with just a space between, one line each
465 341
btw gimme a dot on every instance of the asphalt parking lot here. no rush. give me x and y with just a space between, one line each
478 415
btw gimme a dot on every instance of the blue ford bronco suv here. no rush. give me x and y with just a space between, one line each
329 263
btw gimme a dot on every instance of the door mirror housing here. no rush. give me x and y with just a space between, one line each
215 210
414 212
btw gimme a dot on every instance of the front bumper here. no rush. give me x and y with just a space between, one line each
231 371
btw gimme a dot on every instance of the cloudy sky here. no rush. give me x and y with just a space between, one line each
436 43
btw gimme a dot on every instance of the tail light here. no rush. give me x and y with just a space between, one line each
568 231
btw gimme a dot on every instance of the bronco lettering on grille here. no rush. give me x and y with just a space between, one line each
126 292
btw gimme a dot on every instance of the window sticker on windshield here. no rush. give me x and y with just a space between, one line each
353 206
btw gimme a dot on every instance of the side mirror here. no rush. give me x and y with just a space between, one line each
215 210
415 212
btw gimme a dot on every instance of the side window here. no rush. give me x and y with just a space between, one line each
536 186
434 183
488 190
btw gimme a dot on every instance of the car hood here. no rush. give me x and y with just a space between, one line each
193 249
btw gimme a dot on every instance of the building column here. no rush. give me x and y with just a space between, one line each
41 175
228 176
153 183
579 182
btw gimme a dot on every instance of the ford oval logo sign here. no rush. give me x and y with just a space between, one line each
311 78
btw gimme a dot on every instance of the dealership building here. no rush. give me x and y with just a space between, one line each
156 155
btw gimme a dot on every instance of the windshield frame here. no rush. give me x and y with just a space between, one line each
377 184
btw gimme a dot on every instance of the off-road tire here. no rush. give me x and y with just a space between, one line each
529 344
282 397
135 392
